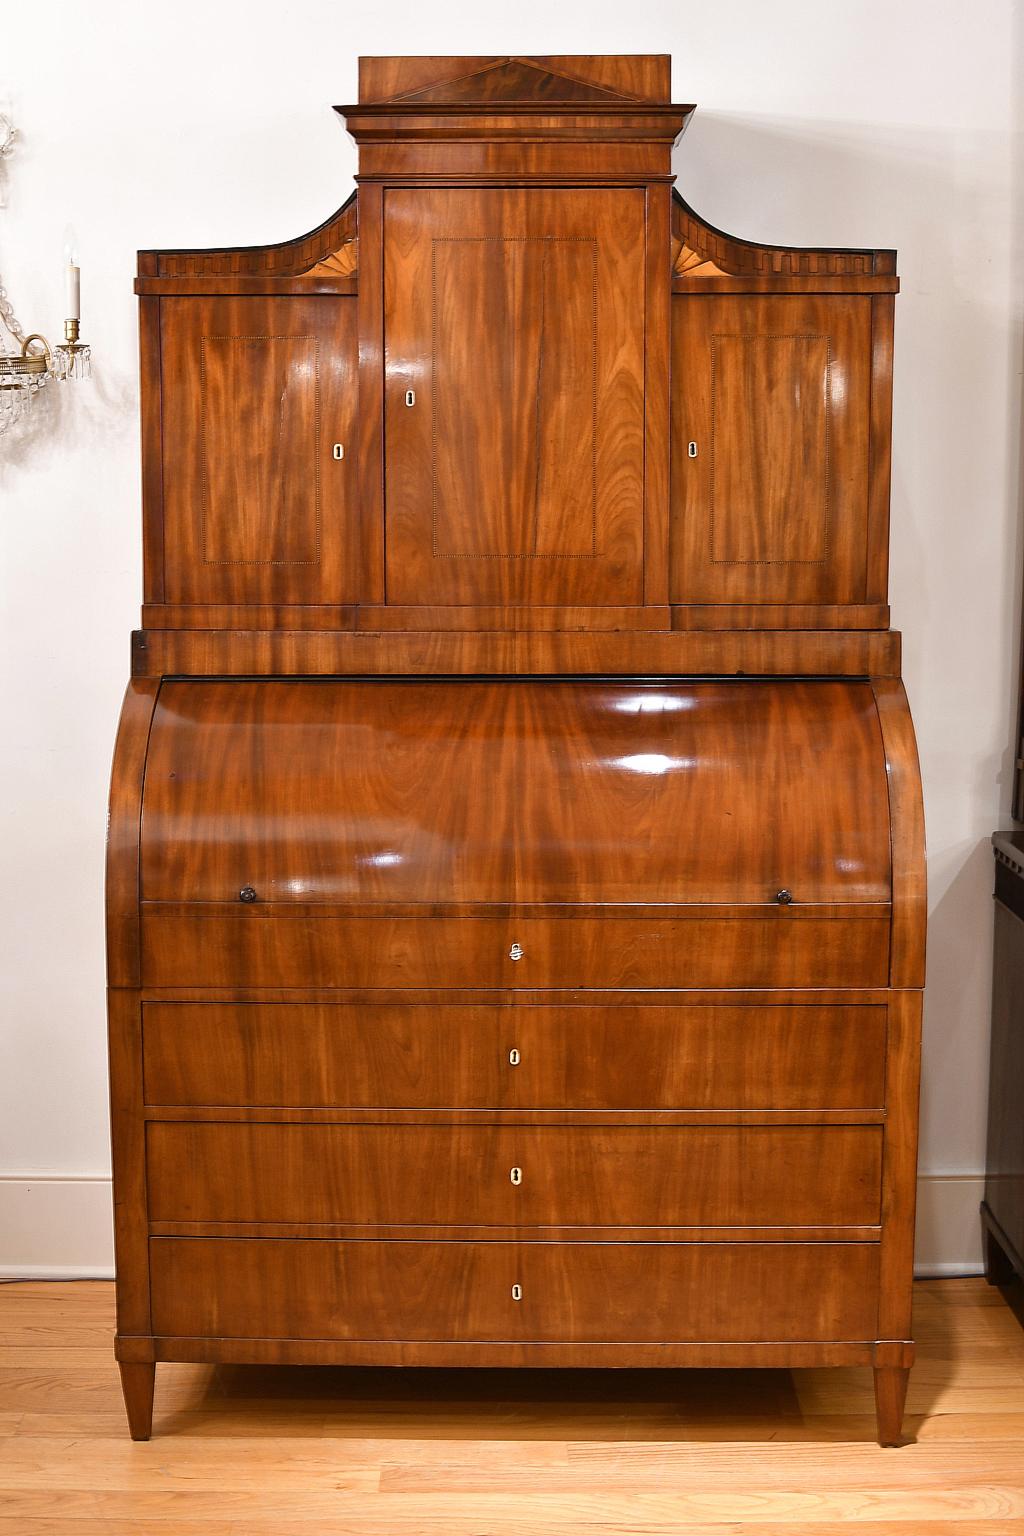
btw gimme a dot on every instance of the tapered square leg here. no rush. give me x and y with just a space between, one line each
890 1399
138 1380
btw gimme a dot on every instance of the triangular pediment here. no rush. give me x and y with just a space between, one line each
509 81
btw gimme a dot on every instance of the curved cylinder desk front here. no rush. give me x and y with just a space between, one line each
515 958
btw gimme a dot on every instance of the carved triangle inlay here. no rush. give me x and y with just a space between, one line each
690 263
340 263
511 80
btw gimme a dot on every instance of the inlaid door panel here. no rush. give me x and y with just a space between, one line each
514 395
259 505
770 449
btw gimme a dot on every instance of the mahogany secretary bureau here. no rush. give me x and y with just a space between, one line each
516 896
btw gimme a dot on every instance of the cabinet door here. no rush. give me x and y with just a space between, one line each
770 449
255 394
514 330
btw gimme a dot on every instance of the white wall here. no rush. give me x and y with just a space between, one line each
871 124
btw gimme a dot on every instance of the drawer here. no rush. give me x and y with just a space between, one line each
577 1292
500 1175
268 945
413 1056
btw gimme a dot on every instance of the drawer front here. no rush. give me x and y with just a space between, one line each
408 1056
604 1176
577 1292
757 946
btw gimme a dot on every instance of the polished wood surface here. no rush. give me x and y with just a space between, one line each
562 78
504 785
516 1453
443 1056
899 1172
773 506
255 394
700 946
701 252
124 963
516 319
597 793
515 1176
906 811
303 653
583 1293
281 261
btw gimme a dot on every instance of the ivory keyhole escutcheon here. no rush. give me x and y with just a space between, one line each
513 1057
517 1293
516 1175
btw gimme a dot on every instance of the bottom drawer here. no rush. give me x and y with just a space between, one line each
575 1292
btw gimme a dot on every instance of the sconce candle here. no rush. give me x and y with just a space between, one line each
73 291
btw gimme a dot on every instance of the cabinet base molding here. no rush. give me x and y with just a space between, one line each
890 1353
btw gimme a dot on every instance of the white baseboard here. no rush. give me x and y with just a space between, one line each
948 1225
56 1227
60 1227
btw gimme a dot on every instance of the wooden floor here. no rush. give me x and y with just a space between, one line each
277 1452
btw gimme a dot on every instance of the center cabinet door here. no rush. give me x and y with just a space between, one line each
514 395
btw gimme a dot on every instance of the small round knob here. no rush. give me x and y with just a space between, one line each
784 897
516 952
247 893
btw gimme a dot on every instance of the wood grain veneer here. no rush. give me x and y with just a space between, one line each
595 791
505 782
595 1293
594 1176
595 1057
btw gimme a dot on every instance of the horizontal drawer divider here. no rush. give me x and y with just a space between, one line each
466 911
267 1115
434 1232
517 997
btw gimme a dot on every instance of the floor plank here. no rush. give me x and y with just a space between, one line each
257 1451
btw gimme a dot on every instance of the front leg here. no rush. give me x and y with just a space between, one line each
890 1398
138 1380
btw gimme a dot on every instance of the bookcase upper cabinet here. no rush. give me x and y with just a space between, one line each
517 372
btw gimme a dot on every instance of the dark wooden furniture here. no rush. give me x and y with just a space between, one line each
516 874
1002 1212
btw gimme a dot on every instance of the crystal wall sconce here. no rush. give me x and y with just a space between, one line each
28 362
